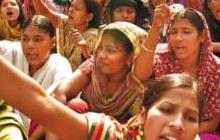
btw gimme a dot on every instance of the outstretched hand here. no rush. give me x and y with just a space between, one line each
162 14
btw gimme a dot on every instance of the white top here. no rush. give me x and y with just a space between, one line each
54 70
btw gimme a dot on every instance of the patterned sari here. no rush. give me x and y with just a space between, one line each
127 99
208 73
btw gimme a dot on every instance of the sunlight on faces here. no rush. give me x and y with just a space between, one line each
36 45
111 56
10 10
214 6
78 13
174 116
184 39
124 13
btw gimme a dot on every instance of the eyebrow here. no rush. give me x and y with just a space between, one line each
191 109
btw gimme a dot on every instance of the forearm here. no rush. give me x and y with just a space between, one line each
216 46
196 4
70 87
28 97
42 9
144 61
209 125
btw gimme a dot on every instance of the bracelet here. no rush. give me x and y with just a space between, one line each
148 50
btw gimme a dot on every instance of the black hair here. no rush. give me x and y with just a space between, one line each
120 37
93 7
142 11
42 22
156 88
192 16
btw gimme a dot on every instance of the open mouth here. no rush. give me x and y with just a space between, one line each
9 13
167 138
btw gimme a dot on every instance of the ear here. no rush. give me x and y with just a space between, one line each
130 59
89 17
202 37
53 40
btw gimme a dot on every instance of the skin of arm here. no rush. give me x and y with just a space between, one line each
196 4
42 9
143 69
210 125
70 87
216 46
24 88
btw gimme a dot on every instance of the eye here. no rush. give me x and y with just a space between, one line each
186 32
166 110
24 39
191 118
38 40
111 51
130 10
118 10
173 32
13 3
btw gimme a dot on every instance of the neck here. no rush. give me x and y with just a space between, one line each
190 65
32 70
81 28
118 77
13 23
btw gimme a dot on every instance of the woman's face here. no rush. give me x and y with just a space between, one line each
10 10
124 13
175 116
111 56
184 39
36 45
214 6
78 15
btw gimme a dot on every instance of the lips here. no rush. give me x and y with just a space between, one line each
167 138
31 56
9 13
179 49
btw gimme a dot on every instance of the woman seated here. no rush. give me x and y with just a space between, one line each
189 50
172 109
32 55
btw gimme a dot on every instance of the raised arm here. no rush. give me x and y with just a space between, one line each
216 46
196 4
144 62
42 9
28 97
210 125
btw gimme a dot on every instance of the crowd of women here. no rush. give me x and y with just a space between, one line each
114 69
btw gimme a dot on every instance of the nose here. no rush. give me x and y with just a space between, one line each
125 14
71 10
177 124
30 44
179 36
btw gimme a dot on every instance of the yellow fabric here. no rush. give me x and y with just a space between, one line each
10 124
127 99
7 32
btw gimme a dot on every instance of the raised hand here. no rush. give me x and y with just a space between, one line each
162 14
78 40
